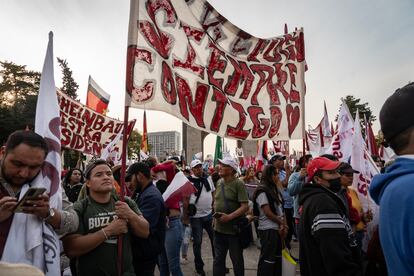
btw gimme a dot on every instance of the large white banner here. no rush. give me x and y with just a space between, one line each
186 59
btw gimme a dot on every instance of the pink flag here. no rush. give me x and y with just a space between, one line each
179 188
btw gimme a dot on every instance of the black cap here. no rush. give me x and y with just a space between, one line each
136 168
346 168
397 113
277 157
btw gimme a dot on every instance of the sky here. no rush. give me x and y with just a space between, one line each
359 48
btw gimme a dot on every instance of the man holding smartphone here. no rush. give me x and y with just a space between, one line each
21 160
231 203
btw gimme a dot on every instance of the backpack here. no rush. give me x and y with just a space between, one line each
256 207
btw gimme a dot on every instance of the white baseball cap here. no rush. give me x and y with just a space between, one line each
229 162
195 162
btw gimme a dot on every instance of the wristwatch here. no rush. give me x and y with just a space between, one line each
51 213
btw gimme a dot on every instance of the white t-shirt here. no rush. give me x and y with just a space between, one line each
204 203
264 222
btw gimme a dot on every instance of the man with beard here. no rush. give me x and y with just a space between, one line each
21 160
150 202
327 245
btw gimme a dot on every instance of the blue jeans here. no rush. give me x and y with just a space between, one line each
186 240
197 226
169 259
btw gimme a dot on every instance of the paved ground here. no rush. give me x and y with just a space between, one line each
251 257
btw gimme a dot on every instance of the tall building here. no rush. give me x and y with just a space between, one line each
164 143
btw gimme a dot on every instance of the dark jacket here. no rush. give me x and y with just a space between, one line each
151 205
327 245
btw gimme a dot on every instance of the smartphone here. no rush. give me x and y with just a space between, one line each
32 193
217 215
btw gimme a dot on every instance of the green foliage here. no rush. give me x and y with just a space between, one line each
354 105
70 88
69 85
134 144
19 88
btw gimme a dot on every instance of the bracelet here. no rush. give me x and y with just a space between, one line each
106 236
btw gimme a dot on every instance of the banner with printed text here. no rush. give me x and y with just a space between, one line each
186 59
86 130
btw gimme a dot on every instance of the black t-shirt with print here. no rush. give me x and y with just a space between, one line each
102 260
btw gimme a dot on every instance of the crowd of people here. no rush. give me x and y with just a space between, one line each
312 203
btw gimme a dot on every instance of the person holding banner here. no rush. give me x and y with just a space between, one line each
102 218
394 189
21 160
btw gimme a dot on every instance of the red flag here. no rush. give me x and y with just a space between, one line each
96 98
144 140
179 188
261 155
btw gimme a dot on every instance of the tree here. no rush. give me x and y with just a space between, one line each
354 105
134 144
69 85
70 88
19 88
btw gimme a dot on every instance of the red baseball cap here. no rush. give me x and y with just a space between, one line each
321 164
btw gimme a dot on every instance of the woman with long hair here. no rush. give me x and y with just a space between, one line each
250 181
272 227
72 183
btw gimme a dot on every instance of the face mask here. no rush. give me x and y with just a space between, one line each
335 185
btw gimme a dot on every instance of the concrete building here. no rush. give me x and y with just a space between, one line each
164 143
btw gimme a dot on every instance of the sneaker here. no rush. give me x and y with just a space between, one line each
201 272
183 261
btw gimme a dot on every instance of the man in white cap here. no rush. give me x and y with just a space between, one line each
200 211
231 203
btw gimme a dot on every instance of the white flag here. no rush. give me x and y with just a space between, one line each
111 146
362 162
341 145
31 240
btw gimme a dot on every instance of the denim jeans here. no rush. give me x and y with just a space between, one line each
222 244
197 226
169 259
186 240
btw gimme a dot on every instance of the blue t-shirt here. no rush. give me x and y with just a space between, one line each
287 199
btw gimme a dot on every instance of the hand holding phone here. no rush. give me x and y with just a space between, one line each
31 195
217 215
7 205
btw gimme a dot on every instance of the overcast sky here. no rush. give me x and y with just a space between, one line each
361 48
